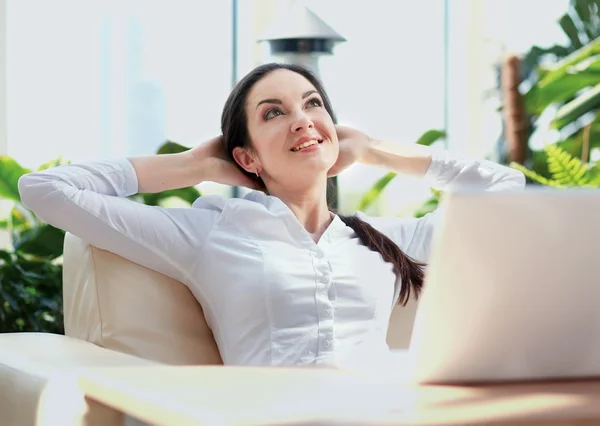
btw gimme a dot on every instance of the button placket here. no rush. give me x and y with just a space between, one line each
324 304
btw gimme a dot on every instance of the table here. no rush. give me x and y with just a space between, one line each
216 395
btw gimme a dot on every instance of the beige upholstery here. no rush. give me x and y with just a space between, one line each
37 380
120 305
113 309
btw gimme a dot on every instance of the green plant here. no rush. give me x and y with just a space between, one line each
30 276
565 170
30 294
563 84
430 205
571 87
374 193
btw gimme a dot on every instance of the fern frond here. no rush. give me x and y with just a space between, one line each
535 176
566 170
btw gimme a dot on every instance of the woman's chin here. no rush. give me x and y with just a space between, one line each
320 158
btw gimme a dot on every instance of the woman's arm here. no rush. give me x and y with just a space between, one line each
157 173
445 171
89 201
413 160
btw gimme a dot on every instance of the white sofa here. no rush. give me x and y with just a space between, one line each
117 313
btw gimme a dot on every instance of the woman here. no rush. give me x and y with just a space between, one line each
282 279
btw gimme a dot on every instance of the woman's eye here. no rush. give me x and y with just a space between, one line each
314 102
272 113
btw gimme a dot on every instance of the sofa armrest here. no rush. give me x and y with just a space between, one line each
38 384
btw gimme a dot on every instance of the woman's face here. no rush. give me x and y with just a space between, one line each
294 141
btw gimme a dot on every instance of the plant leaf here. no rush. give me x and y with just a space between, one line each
570 29
534 176
52 163
189 195
10 172
427 207
566 170
579 106
556 89
42 241
594 174
170 147
375 192
430 137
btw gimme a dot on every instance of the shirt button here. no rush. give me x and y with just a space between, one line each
328 312
327 344
324 279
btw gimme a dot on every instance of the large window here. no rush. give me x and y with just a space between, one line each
90 79
96 79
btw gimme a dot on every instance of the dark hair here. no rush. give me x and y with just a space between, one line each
234 126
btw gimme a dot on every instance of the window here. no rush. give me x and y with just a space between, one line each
104 79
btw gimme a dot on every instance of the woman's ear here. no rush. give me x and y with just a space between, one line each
246 160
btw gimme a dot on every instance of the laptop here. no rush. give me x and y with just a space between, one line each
512 291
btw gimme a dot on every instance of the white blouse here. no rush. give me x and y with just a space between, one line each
271 295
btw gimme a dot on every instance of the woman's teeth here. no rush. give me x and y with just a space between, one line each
305 145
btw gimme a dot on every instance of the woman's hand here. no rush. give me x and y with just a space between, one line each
218 167
353 146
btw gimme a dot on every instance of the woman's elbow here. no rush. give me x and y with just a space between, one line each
26 192
32 189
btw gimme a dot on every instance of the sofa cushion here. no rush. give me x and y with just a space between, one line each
120 305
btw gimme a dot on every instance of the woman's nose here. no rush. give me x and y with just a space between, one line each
302 122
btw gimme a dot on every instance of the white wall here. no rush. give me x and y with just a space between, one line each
3 112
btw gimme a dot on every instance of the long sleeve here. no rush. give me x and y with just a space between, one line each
88 200
446 172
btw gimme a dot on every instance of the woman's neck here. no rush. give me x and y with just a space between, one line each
309 205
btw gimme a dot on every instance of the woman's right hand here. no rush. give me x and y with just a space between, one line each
218 167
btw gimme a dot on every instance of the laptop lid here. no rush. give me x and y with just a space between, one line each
512 291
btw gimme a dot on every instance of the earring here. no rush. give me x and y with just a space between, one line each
257 174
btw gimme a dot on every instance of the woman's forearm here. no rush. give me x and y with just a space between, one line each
400 158
446 170
156 173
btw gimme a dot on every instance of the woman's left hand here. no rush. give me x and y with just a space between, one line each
353 145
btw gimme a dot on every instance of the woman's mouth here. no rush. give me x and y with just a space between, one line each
306 145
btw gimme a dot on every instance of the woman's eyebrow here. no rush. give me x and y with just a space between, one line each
269 101
278 101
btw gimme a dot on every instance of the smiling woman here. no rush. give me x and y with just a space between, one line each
282 279
270 114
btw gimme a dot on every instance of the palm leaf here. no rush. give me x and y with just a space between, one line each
579 106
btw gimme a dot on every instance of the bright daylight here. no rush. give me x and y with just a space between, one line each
299 212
